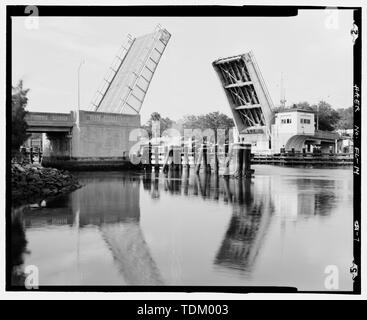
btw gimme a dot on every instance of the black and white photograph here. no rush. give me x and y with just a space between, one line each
183 149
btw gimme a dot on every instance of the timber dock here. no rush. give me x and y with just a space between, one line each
305 159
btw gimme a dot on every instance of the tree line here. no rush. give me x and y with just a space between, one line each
18 112
213 120
329 119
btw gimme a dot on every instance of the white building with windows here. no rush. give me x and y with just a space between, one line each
290 123
293 129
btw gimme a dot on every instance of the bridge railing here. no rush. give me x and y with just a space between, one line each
47 116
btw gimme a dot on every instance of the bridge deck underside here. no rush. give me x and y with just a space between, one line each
126 91
244 88
39 128
241 92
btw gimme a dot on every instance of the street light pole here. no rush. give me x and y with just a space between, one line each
80 65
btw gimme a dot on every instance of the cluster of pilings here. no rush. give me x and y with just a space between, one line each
29 155
237 159
242 154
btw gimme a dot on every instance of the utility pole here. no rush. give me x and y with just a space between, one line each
80 65
282 92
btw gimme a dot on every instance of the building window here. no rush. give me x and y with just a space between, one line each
286 121
307 121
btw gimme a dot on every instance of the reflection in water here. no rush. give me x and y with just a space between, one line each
59 212
107 200
250 219
315 196
18 250
113 231
112 204
172 182
116 211
247 228
129 249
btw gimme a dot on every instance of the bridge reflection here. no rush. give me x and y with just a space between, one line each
252 210
111 203
248 226
254 203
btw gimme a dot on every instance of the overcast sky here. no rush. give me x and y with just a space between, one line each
316 61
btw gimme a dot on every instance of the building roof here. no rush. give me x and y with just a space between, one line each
297 141
297 110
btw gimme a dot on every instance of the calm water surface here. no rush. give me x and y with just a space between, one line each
282 228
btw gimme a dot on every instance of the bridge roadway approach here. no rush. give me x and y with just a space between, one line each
84 138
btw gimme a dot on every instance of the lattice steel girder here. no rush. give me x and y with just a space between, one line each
246 91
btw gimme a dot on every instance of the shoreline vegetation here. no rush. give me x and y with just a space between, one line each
32 183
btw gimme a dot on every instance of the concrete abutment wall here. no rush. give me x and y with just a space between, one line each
106 135
95 140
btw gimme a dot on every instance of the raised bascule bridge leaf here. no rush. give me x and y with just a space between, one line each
246 92
126 84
